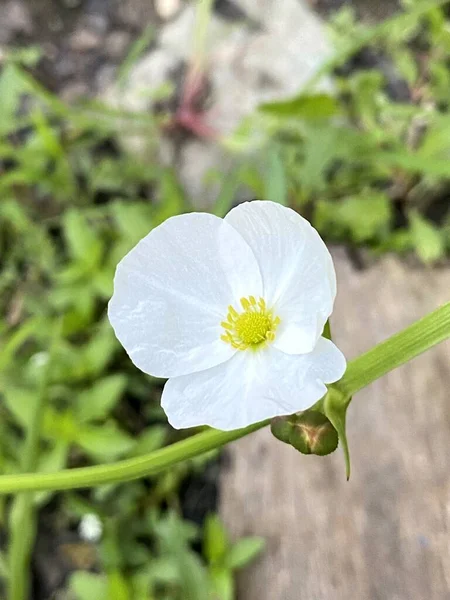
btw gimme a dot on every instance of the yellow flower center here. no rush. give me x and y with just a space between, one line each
253 328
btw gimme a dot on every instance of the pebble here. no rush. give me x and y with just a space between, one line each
117 43
74 91
247 65
83 40
167 9
14 18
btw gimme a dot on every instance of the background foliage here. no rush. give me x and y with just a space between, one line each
366 160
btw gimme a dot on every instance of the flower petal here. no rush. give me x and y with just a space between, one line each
251 387
171 293
297 270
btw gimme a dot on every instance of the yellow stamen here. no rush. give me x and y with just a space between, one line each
253 328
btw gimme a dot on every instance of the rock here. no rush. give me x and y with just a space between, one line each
105 76
135 13
96 22
247 65
72 3
229 10
117 43
65 67
197 158
76 90
83 40
167 9
144 79
15 19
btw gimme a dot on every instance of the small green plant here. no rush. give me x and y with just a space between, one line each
367 161
367 168
72 206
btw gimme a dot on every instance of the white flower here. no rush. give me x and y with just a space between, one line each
90 528
231 311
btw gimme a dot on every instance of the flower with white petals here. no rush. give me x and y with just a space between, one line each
231 311
90 528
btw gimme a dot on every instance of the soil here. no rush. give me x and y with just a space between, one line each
81 40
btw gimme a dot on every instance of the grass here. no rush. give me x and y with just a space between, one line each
366 167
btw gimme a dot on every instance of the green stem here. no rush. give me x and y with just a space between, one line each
375 363
203 17
125 470
396 351
22 518
23 523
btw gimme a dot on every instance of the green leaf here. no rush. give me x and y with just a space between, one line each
245 551
48 138
133 220
416 163
118 588
12 86
97 353
363 217
172 197
59 425
428 240
162 570
225 199
102 282
335 408
406 64
51 461
83 243
275 180
222 584
105 442
137 49
215 541
193 576
322 146
151 439
98 401
86 586
173 536
4 566
327 330
20 401
54 459
305 106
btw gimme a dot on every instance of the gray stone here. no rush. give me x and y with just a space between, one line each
14 18
134 13
246 64
143 81
73 91
96 22
197 158
117 43
83 40
167 9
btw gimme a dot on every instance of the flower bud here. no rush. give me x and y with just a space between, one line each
309 432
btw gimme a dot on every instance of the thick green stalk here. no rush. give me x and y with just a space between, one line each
125 470
203 17
375 363
23 522
22 517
